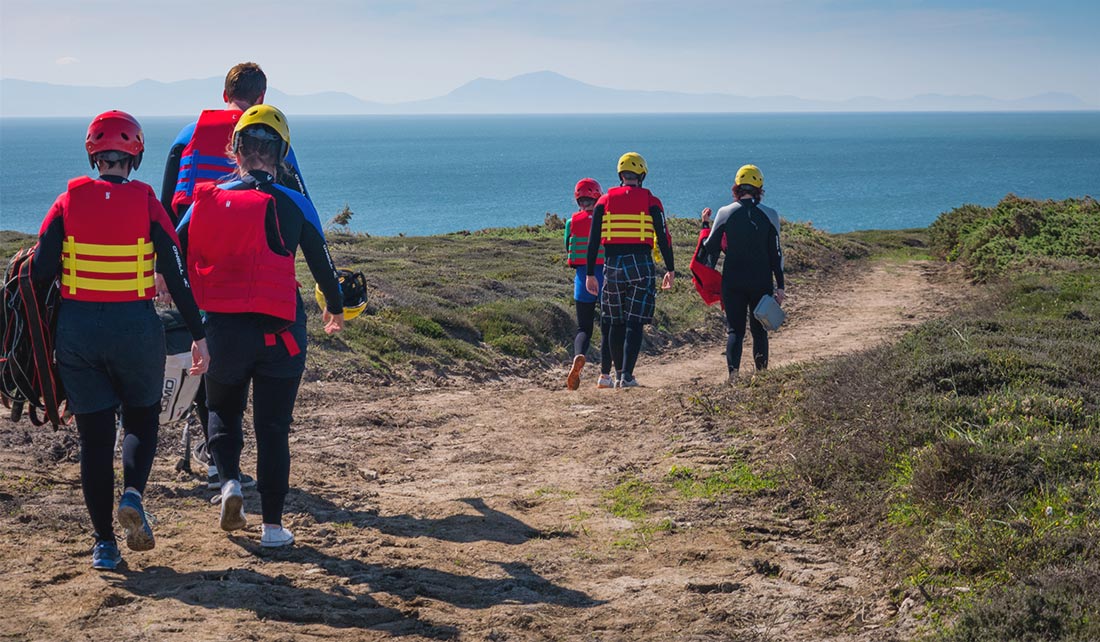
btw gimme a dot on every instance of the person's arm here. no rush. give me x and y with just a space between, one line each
172 170
568 227
712 247
775 257
171 177
595 238
171 267
46 262
183 230
315 249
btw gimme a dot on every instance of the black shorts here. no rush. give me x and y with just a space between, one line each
110 354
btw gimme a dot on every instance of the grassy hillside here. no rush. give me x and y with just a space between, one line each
498 301
501 299
971 449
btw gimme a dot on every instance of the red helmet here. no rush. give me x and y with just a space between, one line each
115 131
587 188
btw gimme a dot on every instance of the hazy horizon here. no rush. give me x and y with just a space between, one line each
541 92
394 52
368 99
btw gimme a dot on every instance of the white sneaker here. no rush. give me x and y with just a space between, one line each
232 517
628 381
605 381
276 536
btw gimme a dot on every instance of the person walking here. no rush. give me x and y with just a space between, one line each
631 220
103 234
577 237
748 233
240 239
198 155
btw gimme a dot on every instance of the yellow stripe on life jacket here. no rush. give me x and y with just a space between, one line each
96 249
74 282
637 228
115 267
81 273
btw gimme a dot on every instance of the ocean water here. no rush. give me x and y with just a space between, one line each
433 174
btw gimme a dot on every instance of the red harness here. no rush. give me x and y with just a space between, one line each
626 217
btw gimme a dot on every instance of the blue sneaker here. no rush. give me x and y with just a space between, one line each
131 516
105 555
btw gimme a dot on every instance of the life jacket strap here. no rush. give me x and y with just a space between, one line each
287 338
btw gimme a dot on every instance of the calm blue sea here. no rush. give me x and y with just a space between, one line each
431 174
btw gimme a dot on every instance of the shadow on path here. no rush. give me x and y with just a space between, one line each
489 525
522 586
277 598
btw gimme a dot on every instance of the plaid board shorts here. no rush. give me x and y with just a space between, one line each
629 290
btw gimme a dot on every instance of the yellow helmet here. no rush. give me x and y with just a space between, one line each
632 162
354 287
749 175
265 115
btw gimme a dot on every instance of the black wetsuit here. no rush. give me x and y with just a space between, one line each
753 258
242 353
111 355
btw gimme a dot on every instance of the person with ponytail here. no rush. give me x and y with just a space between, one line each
240 239
748 233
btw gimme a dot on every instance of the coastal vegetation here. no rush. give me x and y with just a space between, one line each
969 450
967 453
452 304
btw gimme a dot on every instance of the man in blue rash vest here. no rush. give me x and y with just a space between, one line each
748 232
200 155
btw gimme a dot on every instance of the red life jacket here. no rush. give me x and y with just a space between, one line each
204 158
626 217
580 228
232 268
707 280
107 253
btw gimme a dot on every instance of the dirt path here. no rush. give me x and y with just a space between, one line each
475 514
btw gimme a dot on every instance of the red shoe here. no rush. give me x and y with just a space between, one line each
573 381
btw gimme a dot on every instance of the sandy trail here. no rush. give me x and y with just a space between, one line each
477 513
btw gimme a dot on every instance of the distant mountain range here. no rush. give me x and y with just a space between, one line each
534 93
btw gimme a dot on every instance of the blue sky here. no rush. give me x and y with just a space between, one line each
390 50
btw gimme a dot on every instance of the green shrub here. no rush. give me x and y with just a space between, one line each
1018 232
1057 604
